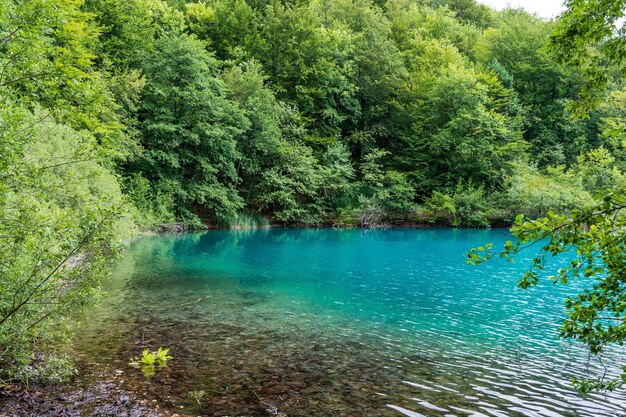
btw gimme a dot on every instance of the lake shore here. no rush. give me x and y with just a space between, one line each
254 333
101 395
181 228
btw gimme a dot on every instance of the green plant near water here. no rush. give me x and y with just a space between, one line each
147 358
248 221
150 360
162 356
197 396
53 369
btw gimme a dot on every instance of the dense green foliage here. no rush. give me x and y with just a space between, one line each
243 113
590 35
345 112
61 206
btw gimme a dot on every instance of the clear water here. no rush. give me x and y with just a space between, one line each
300 322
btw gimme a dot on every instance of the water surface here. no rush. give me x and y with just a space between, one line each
341 323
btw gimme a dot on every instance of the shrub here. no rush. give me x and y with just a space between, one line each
63 224
467 205
54 369
534 193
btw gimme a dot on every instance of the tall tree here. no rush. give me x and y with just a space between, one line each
278 175
592 36
188 129
545 87
311 65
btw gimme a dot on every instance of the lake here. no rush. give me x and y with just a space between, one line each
308 322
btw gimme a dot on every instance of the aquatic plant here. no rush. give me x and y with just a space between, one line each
162 356
149 359
248 221
197 396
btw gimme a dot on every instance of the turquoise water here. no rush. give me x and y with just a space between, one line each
301 322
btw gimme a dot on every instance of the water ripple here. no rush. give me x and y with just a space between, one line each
327 322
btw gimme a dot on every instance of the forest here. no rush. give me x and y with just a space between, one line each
122 116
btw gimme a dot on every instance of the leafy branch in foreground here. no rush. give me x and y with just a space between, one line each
591 36
594 239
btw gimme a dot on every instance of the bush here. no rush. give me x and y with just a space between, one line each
63 224
347 217
154 207
439 208
383 195
598 171
49 371
533 193
466 206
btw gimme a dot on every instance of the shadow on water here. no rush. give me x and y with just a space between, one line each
344 323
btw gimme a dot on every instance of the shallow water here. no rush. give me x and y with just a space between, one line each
340 323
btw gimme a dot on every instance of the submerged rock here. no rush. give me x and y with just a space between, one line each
103 397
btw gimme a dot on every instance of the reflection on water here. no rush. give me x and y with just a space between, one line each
340 323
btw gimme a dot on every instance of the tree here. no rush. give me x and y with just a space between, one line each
593 238
129 30
62 223
47 56
464 123
312 66
545 87
277 173
612 125
62 213
230 26
592 35
189 129
469 11
379 74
